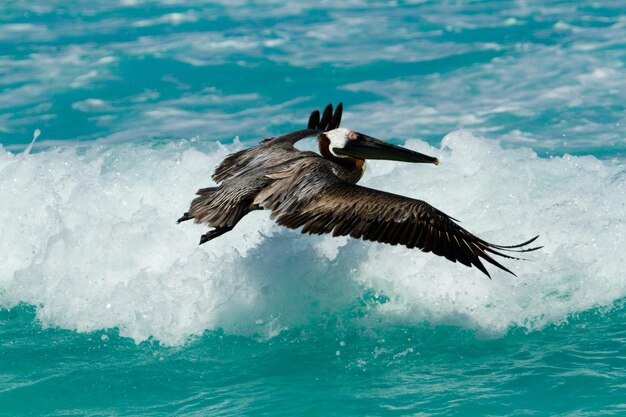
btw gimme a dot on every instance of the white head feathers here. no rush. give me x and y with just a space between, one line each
338 138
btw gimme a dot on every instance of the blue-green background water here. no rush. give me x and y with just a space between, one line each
107 307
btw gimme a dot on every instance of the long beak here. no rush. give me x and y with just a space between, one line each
367 147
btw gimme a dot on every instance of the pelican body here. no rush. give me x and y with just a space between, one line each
318 193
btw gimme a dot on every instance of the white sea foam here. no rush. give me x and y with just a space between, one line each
174 19
21 32
89 238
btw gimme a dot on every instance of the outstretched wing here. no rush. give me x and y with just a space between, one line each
321 203
271 149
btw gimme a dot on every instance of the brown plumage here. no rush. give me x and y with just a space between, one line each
319 194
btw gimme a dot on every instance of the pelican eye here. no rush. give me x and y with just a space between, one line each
353 135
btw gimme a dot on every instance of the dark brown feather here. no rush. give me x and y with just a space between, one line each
276 150
312 196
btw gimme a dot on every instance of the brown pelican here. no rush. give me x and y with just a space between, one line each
319 193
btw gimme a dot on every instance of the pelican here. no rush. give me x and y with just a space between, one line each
318 193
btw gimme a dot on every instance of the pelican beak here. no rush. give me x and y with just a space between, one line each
367 147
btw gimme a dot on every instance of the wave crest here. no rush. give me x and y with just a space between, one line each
90 239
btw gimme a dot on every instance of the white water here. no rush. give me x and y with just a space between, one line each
89 237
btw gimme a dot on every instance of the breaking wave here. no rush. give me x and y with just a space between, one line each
90 240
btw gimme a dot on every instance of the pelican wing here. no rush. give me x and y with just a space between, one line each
320 203
279 149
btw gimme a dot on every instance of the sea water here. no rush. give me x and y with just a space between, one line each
114 113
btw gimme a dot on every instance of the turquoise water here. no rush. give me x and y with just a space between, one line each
107 307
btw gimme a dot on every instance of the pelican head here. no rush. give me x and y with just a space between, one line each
345 142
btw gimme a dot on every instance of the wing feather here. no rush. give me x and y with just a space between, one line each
319 202
276 149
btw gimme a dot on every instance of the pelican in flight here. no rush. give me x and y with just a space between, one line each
318 193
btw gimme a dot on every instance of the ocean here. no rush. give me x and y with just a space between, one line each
113 113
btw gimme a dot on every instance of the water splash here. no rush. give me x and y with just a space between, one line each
36 134
90 239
